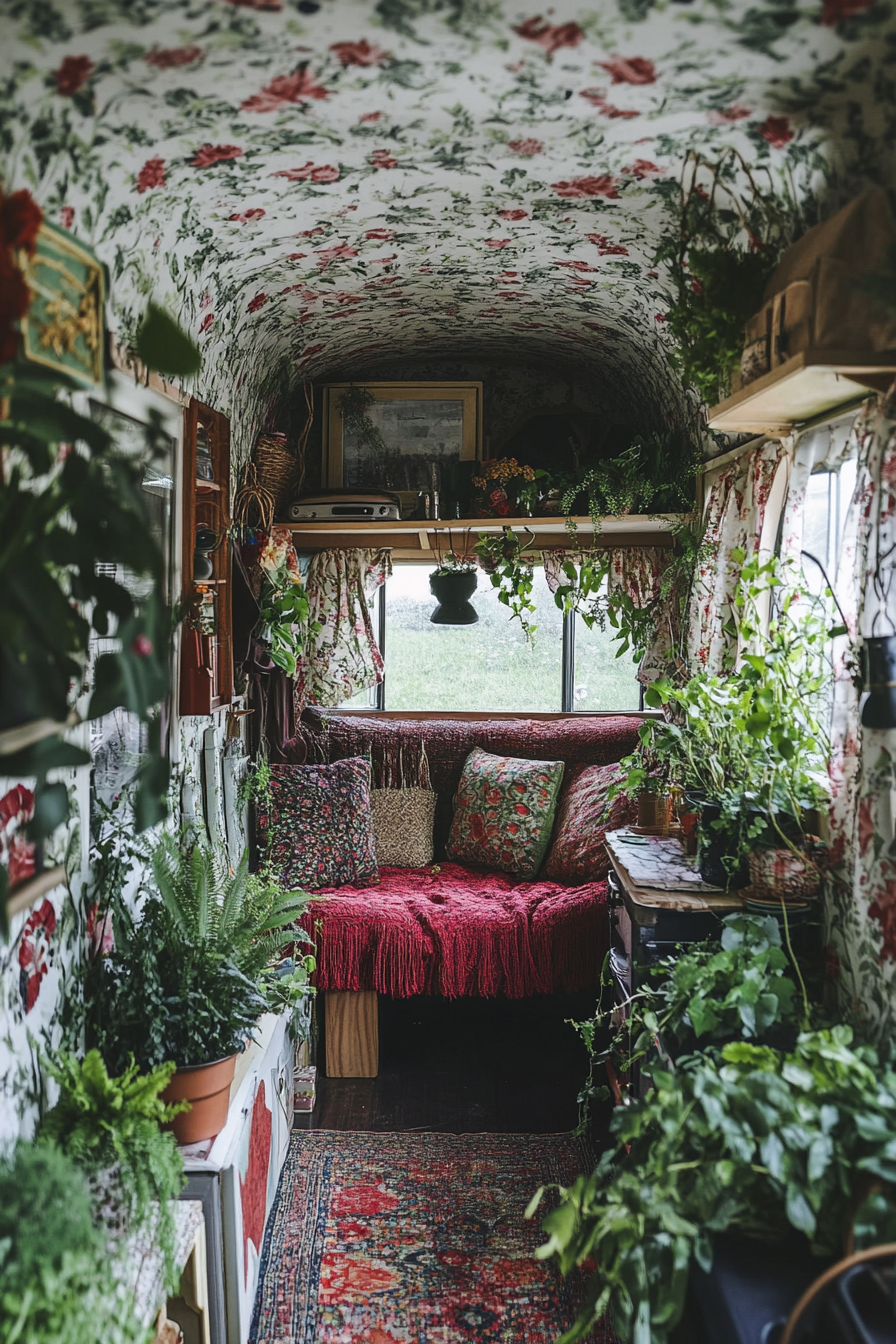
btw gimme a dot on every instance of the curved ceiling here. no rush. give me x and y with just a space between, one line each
326 184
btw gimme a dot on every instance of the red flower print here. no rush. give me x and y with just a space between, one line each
496 242
254 1185
296 256
73 74
310 172
866 827
526 147
258 302
17 805
166 58
477 827
380 235
152 174
207 323
629 70
587 186
67 216
370 116
521 809
34 950
100 937
513 214
206 155
550 37
605 247
359 53
21 860
285 90
642 168
835 11
381 158
341 252
598 99
723 116
246 216
575 265
776 130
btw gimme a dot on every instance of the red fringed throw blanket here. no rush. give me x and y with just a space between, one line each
460 932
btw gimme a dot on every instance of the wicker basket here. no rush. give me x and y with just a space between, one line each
783 873
276 467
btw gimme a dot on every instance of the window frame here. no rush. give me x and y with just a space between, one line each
567 679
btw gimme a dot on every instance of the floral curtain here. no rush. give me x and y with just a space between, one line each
343 658
862 897
638 572
735 514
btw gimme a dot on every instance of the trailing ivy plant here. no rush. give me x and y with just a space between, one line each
502 558
742 986
113 1124
751 1140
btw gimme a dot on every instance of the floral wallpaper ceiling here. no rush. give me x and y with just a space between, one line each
316 185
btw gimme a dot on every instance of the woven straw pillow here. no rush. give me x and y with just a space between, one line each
402 826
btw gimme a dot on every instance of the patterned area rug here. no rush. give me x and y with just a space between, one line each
415 1239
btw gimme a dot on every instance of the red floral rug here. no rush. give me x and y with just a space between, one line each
415 1239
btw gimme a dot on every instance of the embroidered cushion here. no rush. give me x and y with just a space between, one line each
503 812
402 827
584 816
319 829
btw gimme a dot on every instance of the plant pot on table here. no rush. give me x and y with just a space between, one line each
713 846
207 1088
654 810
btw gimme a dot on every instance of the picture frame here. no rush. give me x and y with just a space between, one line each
422 425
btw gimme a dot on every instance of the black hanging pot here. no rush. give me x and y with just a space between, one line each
713 847
879 710
453 593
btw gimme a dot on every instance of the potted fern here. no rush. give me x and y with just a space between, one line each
184 982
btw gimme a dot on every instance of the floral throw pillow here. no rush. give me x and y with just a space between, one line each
319 827
584 816
503 812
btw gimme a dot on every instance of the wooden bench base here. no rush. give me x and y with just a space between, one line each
352 1034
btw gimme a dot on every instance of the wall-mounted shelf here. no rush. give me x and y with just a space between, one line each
807 385
422 539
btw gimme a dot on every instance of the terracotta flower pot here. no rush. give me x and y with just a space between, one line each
654 810
207 1089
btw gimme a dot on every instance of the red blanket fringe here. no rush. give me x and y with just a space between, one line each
460 933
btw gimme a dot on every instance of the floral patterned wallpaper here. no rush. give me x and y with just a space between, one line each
320 184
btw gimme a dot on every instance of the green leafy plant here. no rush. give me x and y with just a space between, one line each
754 1140
104 1123
452 563
740 987
183 982
283 625
58 1279
288 989
502 558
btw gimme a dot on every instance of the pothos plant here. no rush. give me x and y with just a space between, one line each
750 1139
502 558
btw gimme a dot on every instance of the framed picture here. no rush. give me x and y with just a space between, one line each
409 435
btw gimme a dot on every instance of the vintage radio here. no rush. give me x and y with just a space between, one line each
349 506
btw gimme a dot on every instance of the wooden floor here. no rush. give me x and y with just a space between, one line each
464 1067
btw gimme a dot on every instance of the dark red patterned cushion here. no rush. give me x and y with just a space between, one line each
319 829
584 816
503 812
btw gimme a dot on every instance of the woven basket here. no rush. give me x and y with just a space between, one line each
275 465
783 873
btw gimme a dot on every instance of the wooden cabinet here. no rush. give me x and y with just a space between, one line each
206 658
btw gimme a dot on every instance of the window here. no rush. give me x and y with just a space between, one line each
490 666
824 521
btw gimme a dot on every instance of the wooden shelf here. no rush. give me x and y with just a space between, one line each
421 538
810 384
27 734
33 889
206 485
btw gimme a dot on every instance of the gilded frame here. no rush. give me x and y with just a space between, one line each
333 471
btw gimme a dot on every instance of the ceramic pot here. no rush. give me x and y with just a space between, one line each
879 710
207 1088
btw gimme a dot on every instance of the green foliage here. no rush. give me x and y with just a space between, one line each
502 559
353 404
57 1277
183 982
102 1122
288 989
162 345
736 988
283 626
654 473
754 1140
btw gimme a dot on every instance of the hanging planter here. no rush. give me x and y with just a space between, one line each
879 710
452 589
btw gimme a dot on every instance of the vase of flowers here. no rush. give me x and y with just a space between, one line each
499 486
